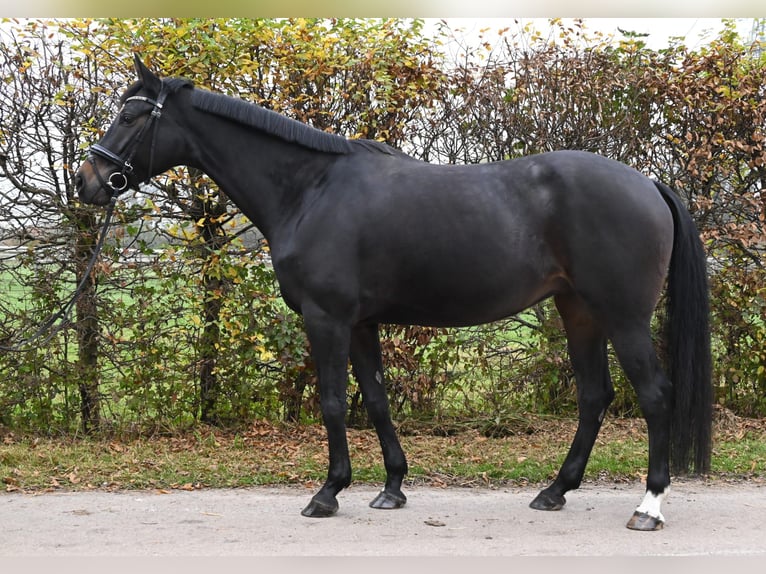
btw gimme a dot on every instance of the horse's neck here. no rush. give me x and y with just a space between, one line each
263 176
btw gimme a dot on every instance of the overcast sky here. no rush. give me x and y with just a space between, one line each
696 31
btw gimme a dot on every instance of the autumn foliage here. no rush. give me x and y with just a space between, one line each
183 320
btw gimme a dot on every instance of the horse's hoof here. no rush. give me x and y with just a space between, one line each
388 500
645 522
319 509
546 501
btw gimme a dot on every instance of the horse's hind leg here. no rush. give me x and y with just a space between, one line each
639 360
368 369
587 351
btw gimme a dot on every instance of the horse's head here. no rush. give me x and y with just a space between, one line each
137 146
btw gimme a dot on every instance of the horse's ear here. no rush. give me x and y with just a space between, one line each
148 79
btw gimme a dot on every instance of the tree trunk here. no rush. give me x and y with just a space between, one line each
208 380
293 398
207 211
87 326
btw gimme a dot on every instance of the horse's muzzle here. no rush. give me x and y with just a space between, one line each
88 186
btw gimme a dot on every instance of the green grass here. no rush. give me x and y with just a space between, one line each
742 456
270 454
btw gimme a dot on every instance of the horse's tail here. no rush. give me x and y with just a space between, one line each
687 336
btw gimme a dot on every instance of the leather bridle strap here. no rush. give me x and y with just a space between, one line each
118 181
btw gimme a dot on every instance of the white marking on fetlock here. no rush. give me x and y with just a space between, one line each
652 503
378 377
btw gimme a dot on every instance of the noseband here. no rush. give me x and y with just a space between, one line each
118 181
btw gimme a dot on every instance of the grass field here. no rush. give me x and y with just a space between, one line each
271 454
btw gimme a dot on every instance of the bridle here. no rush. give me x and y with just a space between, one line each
118 181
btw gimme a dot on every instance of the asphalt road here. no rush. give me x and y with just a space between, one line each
702 520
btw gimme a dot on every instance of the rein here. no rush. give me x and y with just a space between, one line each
66 309
117 182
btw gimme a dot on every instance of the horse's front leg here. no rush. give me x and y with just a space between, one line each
329 340
368 369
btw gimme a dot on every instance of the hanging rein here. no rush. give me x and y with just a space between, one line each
117 182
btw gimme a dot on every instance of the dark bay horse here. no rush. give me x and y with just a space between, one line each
362 234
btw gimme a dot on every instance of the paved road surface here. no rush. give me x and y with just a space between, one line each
703 520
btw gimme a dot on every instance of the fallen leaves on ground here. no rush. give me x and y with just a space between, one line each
271 453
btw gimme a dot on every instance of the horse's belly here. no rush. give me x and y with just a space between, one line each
462 299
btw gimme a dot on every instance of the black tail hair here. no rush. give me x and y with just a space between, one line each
687 336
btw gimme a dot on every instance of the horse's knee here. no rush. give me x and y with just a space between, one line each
593 405
377 409
333 409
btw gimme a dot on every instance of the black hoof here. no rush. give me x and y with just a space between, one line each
645 522
320 509
389 500
547 501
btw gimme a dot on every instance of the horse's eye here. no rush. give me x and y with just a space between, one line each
126 118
